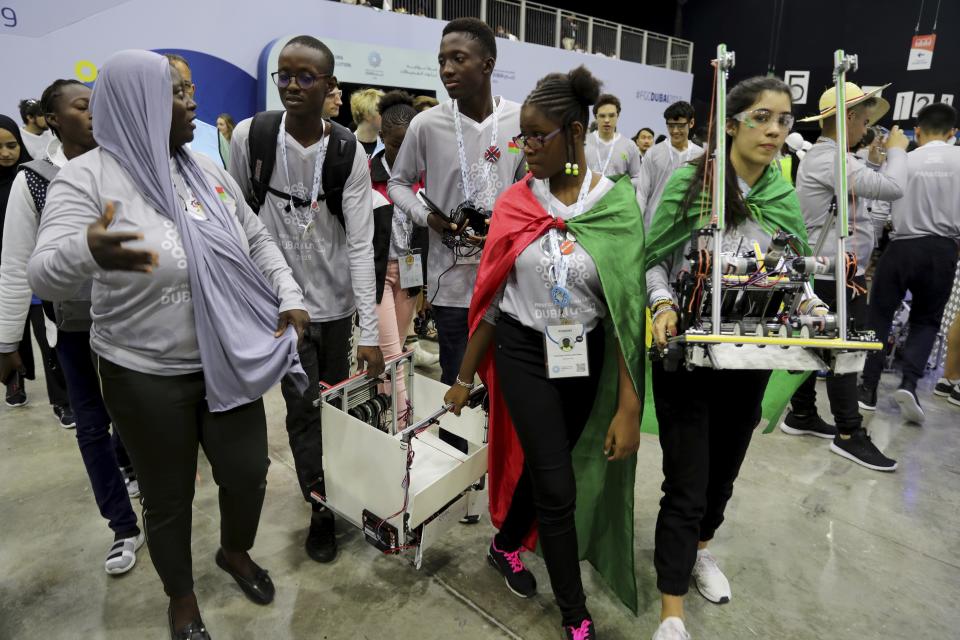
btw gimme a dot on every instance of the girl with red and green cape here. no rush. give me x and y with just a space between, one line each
706 417
560 291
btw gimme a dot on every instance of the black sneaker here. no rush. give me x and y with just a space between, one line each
518 578
955 396
321 544
909 404
583 631
812 425
16 393
944 388
867 398
859 448
470 519
65 417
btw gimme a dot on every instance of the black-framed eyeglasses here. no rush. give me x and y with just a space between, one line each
763 117
535 142
677 126
304 79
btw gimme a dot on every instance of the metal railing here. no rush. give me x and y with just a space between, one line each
541 24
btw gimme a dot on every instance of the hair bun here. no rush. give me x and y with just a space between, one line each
586 88
394 98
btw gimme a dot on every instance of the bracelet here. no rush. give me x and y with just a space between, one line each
661 302
664 308
468 387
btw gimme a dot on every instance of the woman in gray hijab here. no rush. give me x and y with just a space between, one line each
195 316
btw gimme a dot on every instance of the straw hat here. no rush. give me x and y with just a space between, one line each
855 95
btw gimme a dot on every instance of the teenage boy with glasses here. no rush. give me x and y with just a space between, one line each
664 158
329 251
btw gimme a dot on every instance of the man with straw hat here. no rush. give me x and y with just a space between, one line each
815 188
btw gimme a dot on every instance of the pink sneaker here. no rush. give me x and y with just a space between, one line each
518 578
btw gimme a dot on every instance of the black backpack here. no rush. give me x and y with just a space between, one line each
262 144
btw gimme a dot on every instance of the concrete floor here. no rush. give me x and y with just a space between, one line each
814 546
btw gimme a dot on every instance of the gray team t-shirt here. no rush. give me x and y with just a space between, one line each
430 150
525 295
141 321
624 157
333 265
658 165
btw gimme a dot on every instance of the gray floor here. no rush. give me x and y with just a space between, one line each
814 546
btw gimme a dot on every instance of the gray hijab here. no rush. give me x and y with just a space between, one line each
234 307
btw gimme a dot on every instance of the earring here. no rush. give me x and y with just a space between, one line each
576 169
568 169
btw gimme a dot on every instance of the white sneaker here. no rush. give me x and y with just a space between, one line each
671 629
133 487
123 555
422 357
711 583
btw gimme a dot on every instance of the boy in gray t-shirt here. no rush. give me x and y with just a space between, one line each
609 153
331 259
463 149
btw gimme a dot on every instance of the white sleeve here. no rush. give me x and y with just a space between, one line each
19 239
240 157
406 171
61 262
358 221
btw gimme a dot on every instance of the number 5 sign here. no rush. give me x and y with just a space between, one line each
799 83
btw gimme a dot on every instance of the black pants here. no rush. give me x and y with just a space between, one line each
549 416
103 454
163 420
325 356
706 420
453 331
842 389
56 385
926 267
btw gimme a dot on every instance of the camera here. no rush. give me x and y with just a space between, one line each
467 216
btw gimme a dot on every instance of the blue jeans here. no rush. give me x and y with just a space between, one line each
102 452
452 334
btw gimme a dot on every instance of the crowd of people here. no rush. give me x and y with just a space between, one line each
167 276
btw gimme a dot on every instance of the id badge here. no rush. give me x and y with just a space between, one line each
566 351
411 270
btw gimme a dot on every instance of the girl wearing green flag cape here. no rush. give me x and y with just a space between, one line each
706 417
557 337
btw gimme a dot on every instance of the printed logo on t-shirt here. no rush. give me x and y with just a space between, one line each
176 294
486 183
172 244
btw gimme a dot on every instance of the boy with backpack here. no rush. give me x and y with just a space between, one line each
312 190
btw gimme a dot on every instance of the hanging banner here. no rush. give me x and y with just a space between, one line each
921 52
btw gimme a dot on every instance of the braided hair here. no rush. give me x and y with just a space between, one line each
566 98
396 109
48 101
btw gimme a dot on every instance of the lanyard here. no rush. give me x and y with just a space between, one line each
468 190
317 172
600 163
561 261
404 225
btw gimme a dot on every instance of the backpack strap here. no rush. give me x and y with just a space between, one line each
341 149
262 148
39 175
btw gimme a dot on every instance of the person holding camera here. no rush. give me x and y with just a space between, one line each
463 151
564 435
